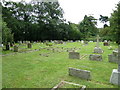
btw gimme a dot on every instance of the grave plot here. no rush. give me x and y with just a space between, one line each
84 74
65 84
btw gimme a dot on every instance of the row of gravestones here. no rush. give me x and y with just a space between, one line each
29 45
115 76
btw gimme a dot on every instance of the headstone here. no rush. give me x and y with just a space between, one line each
82 41
7 47
97 49
115 77
113 57
15 48
29 45
106 44
84 74
74 55
95 57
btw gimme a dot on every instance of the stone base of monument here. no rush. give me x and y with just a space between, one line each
95 57
114 79
83 74
74 55
98 50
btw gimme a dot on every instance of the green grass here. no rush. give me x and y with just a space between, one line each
31 70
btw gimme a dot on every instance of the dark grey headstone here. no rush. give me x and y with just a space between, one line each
29 45
84 74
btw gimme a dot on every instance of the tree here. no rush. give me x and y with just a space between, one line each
88 27
104 20
7 36
115 24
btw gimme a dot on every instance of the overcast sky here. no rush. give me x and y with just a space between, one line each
75 10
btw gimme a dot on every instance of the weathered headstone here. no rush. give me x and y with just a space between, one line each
97 49
15 48
29 45
84 74
74 55
113 57
95 57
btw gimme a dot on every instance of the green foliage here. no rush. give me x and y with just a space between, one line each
115 24
87 27
7 36
104 19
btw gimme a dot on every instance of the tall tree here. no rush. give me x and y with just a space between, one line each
115 24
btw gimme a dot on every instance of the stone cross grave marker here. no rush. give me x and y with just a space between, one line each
97 44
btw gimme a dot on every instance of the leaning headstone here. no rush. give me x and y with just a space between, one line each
97 49
15 48
74 55
113 57
29 45
84 74
95 57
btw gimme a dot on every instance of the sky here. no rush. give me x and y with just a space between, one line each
75 10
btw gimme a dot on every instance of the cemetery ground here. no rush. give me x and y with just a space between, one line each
43 67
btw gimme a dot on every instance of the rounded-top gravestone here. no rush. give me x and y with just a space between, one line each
29 45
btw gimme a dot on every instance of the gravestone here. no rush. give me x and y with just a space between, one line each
113 57
84 74
95 57
82 41
7 46
97 49
15 48
115 76
106 44
29 45
74 55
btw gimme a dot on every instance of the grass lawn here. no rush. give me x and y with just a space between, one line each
32 70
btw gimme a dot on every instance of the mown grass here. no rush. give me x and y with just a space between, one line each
32 70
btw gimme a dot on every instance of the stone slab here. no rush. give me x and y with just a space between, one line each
98 50
74 55
115 76
95 57
84 74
